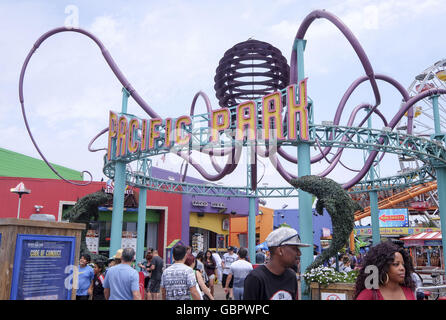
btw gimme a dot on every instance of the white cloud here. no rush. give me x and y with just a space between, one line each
108 30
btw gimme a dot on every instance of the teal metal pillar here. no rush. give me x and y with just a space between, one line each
441 176
252 229
142 201
374 214
441 194
437 126
118 194
305 198
252 185
373 197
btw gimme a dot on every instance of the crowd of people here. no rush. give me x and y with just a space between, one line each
272 277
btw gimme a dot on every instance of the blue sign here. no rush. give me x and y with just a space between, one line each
391 218
40 265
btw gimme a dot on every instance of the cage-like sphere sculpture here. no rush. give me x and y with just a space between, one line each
248 71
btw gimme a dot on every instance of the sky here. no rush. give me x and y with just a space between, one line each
169 50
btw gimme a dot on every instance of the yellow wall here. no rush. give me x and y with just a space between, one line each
264 226
210 221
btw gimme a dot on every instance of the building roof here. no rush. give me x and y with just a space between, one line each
424 236
13 164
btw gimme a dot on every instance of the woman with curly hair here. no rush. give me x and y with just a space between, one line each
394 274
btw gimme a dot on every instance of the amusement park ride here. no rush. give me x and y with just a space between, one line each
264 108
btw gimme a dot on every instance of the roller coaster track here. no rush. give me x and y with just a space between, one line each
399 197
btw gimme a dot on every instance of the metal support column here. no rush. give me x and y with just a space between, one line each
374 214
142 201
252 185
373 197
305 198
118 194
252 229
441 174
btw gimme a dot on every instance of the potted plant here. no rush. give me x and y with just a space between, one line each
328 284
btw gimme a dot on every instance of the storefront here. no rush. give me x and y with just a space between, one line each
206 220
425 249
100 242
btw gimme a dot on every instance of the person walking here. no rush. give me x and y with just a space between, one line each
238 271
122 281
85 276
394 274
178 281
204 291
228 258
217 259
210 266
156 270
144 267
275 280
260 257
96 290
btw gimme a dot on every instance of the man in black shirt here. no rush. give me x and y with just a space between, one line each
156 267
275 280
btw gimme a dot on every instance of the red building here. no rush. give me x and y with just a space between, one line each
57 196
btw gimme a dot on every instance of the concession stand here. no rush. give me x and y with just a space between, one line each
425 249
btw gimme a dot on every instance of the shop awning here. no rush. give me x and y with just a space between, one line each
424 236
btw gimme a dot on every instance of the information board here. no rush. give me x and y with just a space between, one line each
129 239
40 265
92 241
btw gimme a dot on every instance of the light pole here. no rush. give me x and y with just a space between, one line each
20 190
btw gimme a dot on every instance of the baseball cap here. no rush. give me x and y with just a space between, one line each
284 236
231 248
118 254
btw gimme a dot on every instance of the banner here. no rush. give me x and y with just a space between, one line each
367 231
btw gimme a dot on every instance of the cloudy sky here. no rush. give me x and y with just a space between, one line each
169 51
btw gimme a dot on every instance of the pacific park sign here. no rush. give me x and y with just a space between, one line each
131 135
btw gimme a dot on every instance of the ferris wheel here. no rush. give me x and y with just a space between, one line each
423 121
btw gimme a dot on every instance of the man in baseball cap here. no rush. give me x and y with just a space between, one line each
276 280
284 236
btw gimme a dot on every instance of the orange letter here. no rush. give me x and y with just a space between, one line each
168 132
144 135
121 140
112 130
220 122
153 134
246 120
272 109
133 143
182 121
300 108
